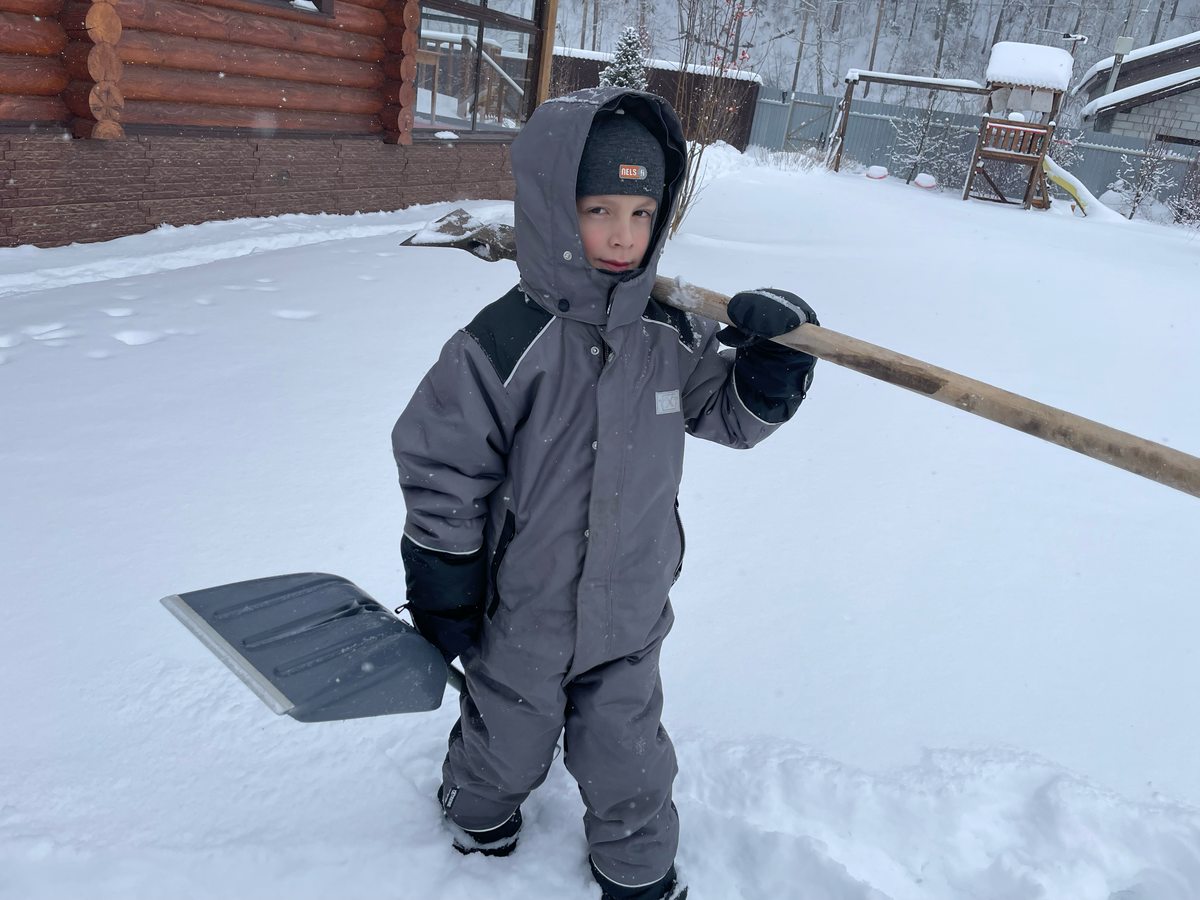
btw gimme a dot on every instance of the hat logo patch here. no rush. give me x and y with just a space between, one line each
638 173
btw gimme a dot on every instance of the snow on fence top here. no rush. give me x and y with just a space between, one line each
854 75
667 64
1152 49
1030 65
1184 80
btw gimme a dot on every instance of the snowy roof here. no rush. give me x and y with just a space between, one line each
1107 63
1175 83
1030 65
856 74
667 64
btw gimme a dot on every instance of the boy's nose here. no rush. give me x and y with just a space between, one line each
623 234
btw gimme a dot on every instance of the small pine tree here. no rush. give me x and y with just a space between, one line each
628 69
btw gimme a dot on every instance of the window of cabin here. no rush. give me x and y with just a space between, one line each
475 65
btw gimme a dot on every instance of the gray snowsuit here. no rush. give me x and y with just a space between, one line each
540 460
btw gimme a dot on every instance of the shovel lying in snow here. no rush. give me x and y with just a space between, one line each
492 241
317 647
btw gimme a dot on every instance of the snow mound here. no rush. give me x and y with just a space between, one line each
1030 65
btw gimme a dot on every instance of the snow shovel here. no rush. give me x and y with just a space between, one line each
1166 465
317 647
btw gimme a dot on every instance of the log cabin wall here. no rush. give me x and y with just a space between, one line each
184 111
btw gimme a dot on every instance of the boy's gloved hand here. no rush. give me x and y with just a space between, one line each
762 314
771 379
445 595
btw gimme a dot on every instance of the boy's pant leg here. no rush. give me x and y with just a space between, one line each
623 760
504 751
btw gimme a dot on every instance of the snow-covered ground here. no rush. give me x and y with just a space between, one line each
917 655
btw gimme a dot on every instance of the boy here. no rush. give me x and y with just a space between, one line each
540 460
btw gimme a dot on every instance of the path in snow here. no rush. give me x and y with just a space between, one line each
911 645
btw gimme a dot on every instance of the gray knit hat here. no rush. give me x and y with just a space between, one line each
620 157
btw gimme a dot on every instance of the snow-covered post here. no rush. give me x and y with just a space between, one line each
628 69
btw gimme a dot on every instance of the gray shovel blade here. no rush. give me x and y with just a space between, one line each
315 646
490 241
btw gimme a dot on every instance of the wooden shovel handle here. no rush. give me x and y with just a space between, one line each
1117 448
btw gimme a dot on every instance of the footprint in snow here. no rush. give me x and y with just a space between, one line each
98 354
135 338
203 301
34 330
9 340
58 337
118 312
127 298
295 314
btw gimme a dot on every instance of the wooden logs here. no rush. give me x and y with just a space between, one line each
400 93
400 68
346 17
20 108
106 102
30 35
39 76
97 96
102 23
103 102
397 118
402 13
149 112
47 9
400 65
400 39
177 86
97 62
369 4
193 20
101 131
146 48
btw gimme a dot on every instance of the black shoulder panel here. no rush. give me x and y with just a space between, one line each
672 318
505 329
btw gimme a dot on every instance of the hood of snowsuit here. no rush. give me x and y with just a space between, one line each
545 164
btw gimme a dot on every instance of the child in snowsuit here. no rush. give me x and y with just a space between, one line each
540 461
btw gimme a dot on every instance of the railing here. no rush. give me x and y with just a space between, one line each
1004 139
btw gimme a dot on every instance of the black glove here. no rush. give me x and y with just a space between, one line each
445 595
772 380
762 314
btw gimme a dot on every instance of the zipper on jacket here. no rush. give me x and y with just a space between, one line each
682 542
506 536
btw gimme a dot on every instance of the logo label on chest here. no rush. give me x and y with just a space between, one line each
666 402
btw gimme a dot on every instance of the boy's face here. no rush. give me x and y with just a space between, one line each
615 229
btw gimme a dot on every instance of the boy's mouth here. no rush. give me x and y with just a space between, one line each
615 266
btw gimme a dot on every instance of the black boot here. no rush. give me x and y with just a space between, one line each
498 841
666 888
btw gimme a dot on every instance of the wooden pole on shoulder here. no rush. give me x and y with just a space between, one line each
1157 462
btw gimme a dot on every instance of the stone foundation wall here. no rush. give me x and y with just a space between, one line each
1178 116
55 190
